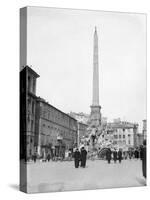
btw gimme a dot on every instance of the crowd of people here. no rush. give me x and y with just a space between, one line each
137 153
80 156
120 155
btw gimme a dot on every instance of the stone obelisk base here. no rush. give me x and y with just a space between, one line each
95 117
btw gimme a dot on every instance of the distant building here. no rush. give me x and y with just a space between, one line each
145 129
139 139
81 117
104 120
117 120
82 132
119 134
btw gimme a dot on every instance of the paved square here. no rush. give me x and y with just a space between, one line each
62 176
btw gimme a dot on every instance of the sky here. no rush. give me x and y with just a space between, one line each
60 50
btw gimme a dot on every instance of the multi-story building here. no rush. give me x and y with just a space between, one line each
43 128
31 110
119 134
56 130
81 117
82 132
144 129
139 140
83 120
27 111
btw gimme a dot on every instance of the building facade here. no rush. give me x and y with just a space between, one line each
82 132
144 129
31 111
139 139
43 128
27 111
81 117
56 130
119 134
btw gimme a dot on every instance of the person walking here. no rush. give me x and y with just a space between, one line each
83 157
48 157
76 158
136 154
115 155
34 157
108 155
130 154
143 158
120 155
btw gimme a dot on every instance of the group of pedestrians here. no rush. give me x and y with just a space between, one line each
80 157
116 155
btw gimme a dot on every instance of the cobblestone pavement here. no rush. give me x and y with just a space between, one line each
62 176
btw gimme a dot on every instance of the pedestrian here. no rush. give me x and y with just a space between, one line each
130 154
136 153
141 152
120 155
108 155
34 157
144 158
83 157
69 154
76 158
115 155
48 157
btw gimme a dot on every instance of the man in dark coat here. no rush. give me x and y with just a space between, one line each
144 158
115 155
108 155
136 153
83 157
34 157
76 158
119 155
130 154
48 157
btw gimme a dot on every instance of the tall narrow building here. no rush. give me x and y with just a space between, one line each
95 107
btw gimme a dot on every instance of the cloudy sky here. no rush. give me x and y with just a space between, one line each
60 50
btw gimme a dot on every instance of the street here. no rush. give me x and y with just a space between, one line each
62 176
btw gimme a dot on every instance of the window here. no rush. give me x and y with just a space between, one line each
31 125
129 142
119 136
123 130
32 107
116 136
34 86
29 83
123 136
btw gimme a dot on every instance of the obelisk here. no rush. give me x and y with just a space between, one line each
95 107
